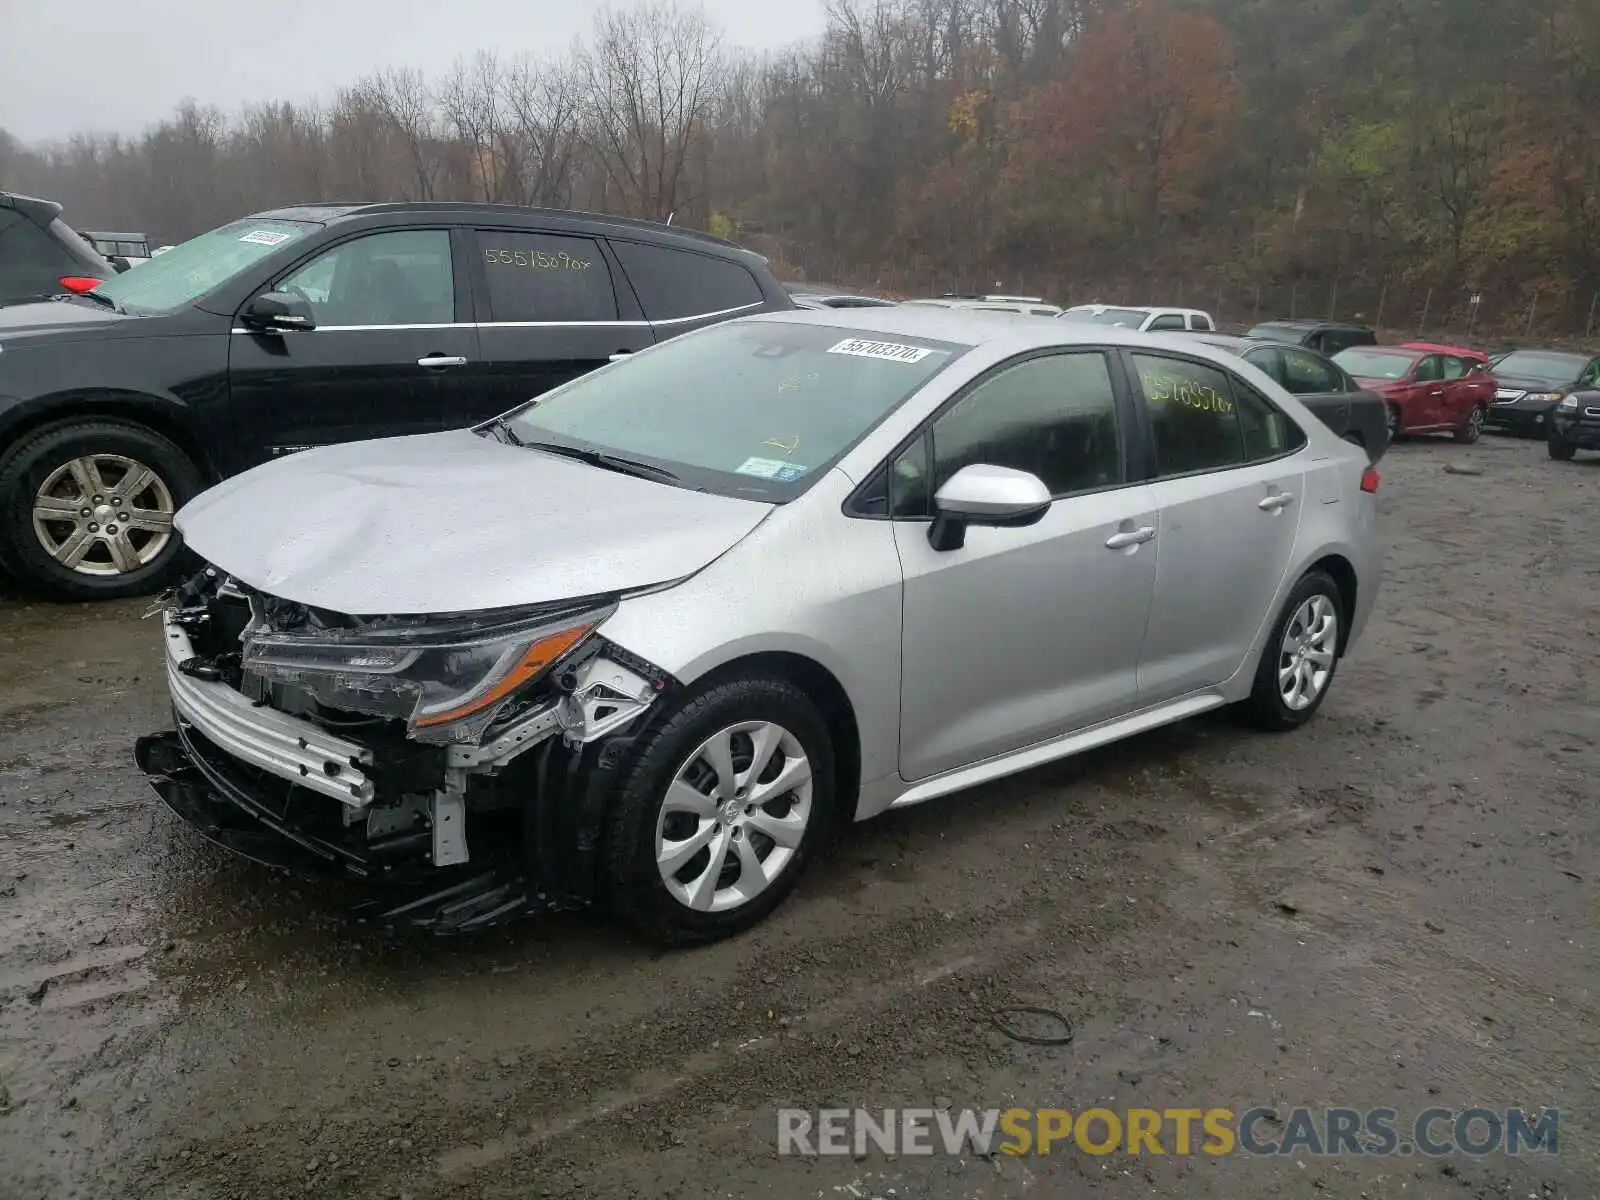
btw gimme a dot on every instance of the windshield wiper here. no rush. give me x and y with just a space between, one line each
610 462
502 429
96 296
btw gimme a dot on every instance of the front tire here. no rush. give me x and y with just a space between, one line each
719 810
1561 451
86 509
1301 656
1392 421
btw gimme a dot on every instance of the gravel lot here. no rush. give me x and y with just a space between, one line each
1396 906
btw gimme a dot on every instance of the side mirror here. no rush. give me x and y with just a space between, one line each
981 494
278 312
119 263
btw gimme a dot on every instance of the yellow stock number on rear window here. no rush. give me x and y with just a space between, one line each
538 260
1191 393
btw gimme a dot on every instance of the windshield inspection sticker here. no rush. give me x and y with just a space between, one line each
265 237
789 472
764 468
889 351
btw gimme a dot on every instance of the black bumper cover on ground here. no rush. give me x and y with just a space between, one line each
400 887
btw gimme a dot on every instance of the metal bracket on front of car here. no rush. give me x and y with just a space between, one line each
602 697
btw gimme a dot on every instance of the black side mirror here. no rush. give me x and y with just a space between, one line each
119 263
278 312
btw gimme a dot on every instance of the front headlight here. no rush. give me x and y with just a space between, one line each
1569 402
446 678
1542 397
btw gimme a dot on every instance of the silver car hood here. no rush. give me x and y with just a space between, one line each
453 522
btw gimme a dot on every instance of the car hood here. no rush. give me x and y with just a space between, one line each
1524 383
36 322
453 522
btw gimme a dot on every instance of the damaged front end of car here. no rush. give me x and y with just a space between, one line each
457 764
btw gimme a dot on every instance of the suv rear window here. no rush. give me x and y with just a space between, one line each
676 284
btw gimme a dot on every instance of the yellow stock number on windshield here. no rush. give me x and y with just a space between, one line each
538 260
1190 393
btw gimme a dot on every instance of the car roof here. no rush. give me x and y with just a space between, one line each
1017 332
1442 348
324 213
1301 325
32 207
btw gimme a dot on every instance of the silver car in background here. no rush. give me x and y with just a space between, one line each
644 640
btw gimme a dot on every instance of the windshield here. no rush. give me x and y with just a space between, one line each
752 409
191 269
1546 368
1127 318
1376 364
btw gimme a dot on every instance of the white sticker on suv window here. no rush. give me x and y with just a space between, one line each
890 351
264 237
765 468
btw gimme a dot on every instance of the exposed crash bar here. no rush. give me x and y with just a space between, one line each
286 746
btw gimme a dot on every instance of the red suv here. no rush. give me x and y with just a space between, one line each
1428 388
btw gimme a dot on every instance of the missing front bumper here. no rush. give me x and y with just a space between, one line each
549 867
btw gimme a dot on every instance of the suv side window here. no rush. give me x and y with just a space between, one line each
1165 321
1455 368
545 277
1054 416
1201 321
401 277
1307 375
1429 370
673 284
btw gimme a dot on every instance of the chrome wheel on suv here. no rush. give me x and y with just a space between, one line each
103 514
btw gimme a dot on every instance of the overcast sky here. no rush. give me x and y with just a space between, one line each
118 65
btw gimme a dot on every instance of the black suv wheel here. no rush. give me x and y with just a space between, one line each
86 509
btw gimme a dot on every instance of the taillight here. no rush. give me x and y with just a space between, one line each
80 283
1370 480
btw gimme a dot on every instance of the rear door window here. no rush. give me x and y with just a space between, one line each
544 278
1164 322
1200 321
675 285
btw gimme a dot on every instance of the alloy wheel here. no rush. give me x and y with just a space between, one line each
103 514
733 816
1306 655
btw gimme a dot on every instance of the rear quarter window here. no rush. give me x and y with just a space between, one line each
674 284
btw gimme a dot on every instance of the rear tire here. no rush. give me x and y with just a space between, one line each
1304 643
1472 430
671 807
66 529
1561 451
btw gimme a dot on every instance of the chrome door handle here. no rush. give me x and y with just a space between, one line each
442 360
621 354
1132 537
1274 503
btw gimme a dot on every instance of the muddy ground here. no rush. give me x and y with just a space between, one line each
1398 905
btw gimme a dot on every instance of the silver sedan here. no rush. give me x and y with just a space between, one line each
646 640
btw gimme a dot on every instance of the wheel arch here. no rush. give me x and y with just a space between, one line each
169 417
1343 573
822 687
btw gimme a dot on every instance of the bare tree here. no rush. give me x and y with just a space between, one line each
653 75
543 97
401 97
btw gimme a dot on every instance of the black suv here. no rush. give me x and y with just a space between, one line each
40 254
311 325
1328 337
